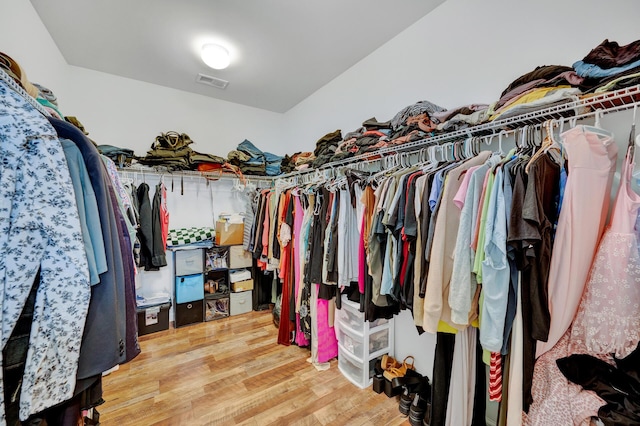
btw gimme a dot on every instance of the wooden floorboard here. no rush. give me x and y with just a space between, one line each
232 372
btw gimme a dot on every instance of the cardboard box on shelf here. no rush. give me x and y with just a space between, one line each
229 234
242 285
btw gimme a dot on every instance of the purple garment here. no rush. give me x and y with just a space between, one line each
132 347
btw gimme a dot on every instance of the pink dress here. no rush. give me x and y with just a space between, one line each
592 162
608 319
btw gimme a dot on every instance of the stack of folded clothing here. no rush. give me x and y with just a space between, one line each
363 140
610 66
297 161
412 123
326 147
171 150
545 86
48 99
253 161
462 117
121 156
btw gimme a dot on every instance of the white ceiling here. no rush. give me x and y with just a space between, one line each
282 50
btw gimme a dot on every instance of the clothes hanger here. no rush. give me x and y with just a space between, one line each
597 127
632 145
500 135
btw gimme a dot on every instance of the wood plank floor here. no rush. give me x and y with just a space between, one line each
232 372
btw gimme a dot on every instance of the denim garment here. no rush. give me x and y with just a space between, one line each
247 147
40 230
586 70
273 169
272 158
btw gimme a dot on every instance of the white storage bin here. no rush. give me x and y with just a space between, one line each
239 258
241 302
189 262
239 275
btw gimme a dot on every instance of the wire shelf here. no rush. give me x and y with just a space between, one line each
584 107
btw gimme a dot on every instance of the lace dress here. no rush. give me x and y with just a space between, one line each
608 318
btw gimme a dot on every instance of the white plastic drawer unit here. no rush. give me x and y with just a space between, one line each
354 319
241 302
189 262
354 342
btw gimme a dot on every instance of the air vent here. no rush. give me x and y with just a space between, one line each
212 81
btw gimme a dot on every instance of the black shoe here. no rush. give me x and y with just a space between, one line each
405 401
418 410
427 416
411 384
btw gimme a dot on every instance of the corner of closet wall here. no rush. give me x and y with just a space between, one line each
129 113
26 39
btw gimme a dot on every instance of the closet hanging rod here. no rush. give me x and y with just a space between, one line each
192 173
606 102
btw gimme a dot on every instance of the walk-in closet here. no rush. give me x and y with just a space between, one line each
332 213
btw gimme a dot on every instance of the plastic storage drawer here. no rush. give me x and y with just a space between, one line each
360 374
189 288
350 341
189 262
241 302
354 342
354 319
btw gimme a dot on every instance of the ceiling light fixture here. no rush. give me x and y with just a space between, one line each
215 56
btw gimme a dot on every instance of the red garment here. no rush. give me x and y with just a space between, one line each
286 326
164 215
495 377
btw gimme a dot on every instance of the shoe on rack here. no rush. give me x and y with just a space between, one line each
387 362
395 372
419 410
427 416
406 399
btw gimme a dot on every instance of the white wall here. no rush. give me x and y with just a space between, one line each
465 51
26 40
129 113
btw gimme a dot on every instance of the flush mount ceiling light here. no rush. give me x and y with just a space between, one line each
215 56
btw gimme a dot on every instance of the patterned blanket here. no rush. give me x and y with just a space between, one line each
185 236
